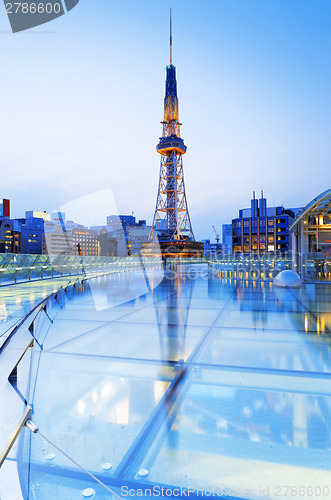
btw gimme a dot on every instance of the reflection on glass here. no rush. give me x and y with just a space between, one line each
200 383
92 409
226 436
172 316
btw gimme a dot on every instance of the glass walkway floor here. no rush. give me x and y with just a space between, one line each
17 300
196 387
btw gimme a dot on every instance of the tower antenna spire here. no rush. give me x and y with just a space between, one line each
170 37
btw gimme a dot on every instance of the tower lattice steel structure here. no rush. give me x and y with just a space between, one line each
172 222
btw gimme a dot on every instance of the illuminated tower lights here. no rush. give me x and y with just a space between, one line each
172 222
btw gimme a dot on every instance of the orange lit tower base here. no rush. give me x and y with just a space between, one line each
171 221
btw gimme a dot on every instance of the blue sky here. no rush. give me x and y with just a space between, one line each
82 98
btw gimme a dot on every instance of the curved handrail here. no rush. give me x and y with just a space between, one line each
40 307
12 378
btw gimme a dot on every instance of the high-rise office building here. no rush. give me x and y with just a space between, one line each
85 242
227 238
56 241
31 232
262 229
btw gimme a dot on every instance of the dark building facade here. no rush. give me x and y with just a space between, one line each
108 244
9 238
211 249
31 232
261 229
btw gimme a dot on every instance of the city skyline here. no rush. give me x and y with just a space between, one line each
253 96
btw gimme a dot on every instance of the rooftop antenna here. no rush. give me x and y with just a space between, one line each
170 37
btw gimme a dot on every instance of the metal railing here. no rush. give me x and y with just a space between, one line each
310 267
29 321
26 267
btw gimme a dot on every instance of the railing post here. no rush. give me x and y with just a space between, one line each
15 434
12 379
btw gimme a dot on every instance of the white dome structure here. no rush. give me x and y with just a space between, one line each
287 279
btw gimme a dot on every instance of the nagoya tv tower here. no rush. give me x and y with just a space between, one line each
172 222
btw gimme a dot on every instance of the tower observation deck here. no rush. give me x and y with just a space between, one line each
172 223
